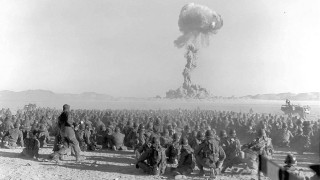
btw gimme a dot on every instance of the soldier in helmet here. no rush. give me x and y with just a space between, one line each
12 137
165 139
117 140
232 150
300 142
223 139
252 150
210 155
153 161
290 165
186 161
43 136
68 136
285 136
173 151
193 139
32 145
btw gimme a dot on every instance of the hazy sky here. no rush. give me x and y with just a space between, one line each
125 47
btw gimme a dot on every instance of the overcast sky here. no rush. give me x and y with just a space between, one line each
125 47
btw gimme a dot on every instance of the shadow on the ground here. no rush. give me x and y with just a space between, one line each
18 155
129 152
110 168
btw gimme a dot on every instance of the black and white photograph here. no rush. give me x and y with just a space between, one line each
159 89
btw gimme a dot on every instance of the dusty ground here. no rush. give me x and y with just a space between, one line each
105 165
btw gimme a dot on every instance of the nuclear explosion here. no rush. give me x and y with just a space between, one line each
196 23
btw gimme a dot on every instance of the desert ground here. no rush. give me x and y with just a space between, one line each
110 165
120 165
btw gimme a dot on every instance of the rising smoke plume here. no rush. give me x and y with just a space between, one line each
196 23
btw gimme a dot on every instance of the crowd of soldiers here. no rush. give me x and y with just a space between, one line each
180 139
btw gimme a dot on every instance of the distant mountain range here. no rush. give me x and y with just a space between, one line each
45 95
312 96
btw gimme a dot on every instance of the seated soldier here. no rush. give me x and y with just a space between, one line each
223 139
252 150
186 162
12 137
173 151
165 139
80 134
210 155
233 151
153 161
117 140
102 136
43 136
300 142
32 146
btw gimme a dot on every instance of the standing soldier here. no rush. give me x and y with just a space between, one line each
210 155
153 161
68 135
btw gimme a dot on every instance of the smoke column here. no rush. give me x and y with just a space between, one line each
196 23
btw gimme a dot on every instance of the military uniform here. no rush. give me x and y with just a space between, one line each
290 166
252 150
165 140
173 151
300 142
32 146
186 161
210 155
153 161
117 140
10 139
233 151
43 136
68 136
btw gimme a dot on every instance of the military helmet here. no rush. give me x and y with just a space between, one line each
42 128
232 132
135 124
158 121
223 133
210 134
17 124
284 125
141 127
261 133
290 160
165 131
201 135
175 136
155 140
66 107
184 141
117 130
